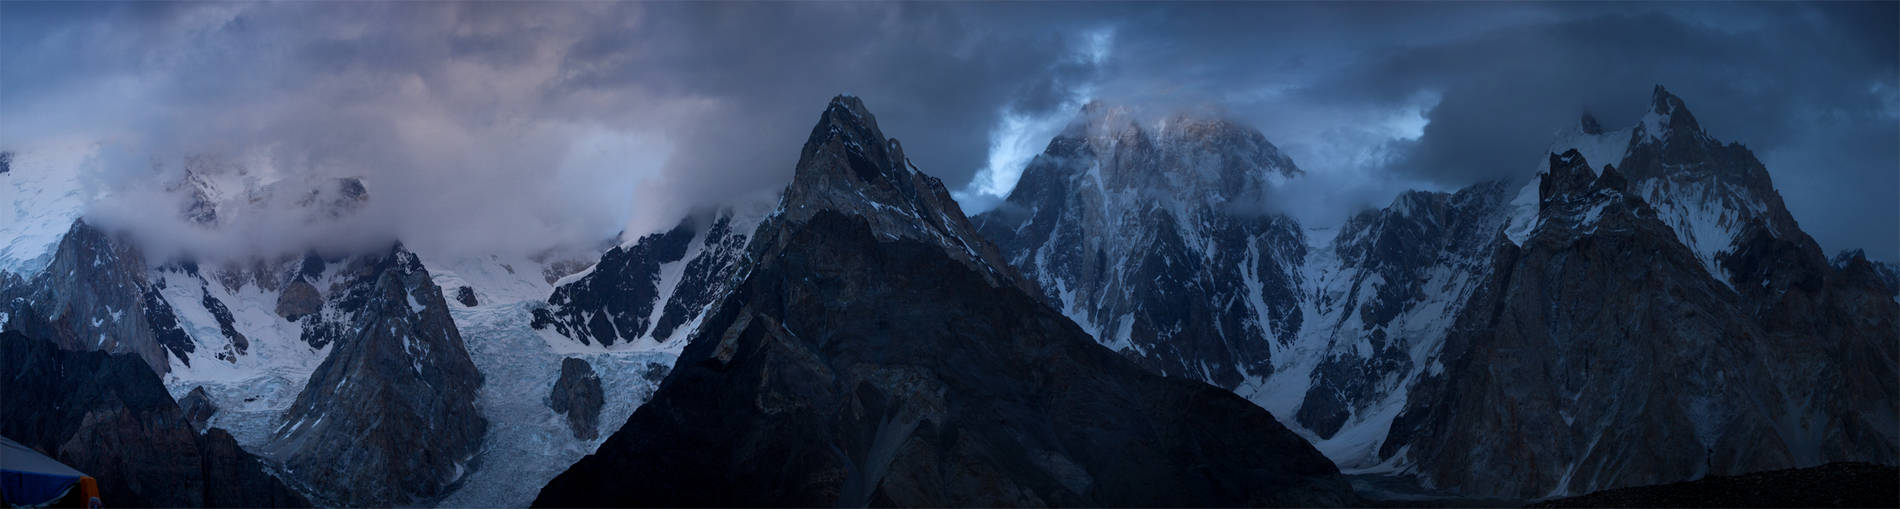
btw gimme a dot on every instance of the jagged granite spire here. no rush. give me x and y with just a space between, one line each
848 166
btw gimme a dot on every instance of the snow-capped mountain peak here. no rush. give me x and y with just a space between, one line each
219 194
1121 222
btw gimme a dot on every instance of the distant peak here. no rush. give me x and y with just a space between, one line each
1590 125
1848 255
1660 97
1668 117
1102 119
848 104
1569 173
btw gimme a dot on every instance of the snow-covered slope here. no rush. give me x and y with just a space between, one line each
527 443
40 197
1379 297
252 388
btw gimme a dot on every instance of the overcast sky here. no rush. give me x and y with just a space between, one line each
567 121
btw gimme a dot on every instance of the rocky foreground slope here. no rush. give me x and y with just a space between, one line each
109 416
1830 485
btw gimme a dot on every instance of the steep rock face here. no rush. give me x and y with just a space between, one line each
300 298
646 293
1380 300
1157 241
109 416
389 416
95 295
198 408
1836 345
818 380
1601 353
578 396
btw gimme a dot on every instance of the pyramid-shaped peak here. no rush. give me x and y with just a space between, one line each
1668 117
851 108
847 132
1661 101
848 167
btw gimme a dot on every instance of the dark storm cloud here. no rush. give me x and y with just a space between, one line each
936 76
558 121
567 121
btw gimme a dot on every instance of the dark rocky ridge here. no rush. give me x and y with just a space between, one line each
1651 370
616 300
236 342
819 381
578 396
621 300
110 417
1830 485
389 417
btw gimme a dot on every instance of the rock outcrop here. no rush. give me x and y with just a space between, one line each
578 396
198 408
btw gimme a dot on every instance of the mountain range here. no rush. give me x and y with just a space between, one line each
1138 323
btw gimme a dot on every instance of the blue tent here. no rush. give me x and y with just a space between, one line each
30 479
